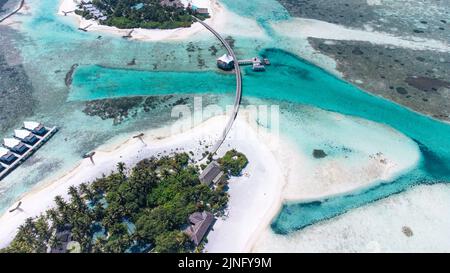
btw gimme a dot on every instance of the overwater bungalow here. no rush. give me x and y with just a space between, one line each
6 156
35 127
225 62
212 174
26 136
15 145
200 222
198 10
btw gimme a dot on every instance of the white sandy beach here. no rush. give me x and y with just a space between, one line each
158 142
276 168
221 19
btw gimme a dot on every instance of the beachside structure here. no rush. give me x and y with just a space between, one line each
26 141
225 62
200 222
26 136
35 127
6 156
212 174
202 11
15 145
257 63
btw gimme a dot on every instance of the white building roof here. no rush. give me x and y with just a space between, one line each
31 125
21 133
3 151
226 58
11 142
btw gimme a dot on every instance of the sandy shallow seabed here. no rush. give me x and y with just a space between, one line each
221 19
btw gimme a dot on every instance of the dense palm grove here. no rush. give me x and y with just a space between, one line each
155 197
142 14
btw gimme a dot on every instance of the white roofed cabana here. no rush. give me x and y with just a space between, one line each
6 156
26 136
31 125
11 142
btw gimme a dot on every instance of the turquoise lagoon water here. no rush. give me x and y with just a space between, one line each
52 43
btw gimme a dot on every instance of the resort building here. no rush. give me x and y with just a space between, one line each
200 222
26 136
6 156
35 127
225 62
212 174
15 145
172 3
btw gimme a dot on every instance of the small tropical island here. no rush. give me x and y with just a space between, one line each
146 14
165 204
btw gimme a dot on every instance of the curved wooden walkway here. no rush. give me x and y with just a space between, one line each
237 100
22 2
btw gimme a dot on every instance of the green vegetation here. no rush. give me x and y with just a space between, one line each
233 162
142 209
142 13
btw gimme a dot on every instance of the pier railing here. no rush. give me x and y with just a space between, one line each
237 100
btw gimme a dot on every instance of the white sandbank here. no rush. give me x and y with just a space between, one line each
377 227
224 21
305 28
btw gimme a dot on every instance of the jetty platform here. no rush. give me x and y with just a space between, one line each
8 168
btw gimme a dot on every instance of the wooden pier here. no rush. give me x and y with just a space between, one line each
31 150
